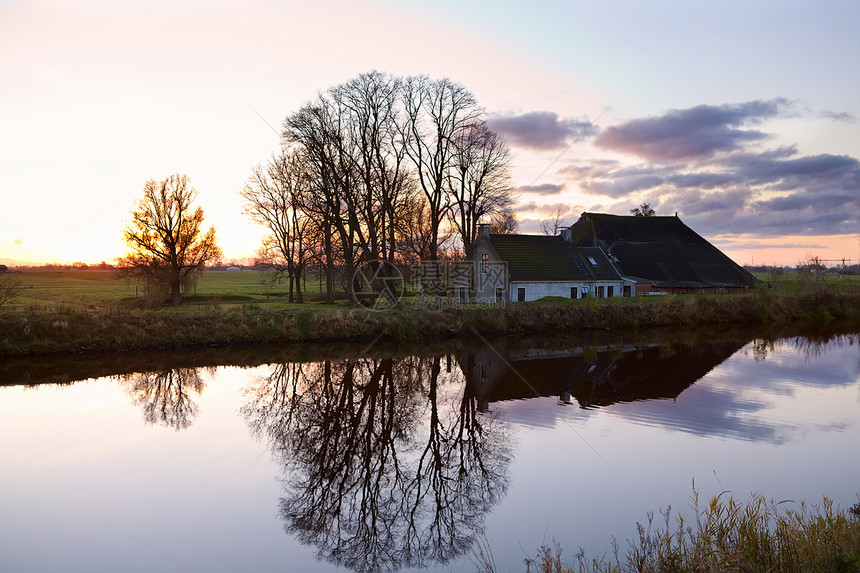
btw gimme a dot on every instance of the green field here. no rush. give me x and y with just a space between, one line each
104 289
94 310
225 289
797 284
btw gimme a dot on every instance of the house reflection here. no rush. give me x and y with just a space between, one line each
591 376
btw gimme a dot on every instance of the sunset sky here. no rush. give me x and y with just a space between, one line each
741 116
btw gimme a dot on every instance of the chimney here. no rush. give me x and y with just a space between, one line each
483 230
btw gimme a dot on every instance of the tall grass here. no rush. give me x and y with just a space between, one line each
759 535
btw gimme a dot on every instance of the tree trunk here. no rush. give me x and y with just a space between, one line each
290 278
329 268
299 298
176 292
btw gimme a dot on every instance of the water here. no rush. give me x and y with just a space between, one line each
357 458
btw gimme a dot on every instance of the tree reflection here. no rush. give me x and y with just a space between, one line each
165 396
388 462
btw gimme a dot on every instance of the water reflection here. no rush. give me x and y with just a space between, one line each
387 462
395 458
166 396
593 375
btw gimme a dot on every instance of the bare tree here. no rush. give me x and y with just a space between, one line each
438 112
274 198
479 182
414 233
10 287
372 156
643 210
166 241
504 222
351 140
313 129
554 226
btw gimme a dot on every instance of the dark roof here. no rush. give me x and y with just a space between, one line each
543 258
661 249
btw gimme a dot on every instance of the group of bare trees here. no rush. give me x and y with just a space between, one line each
379 168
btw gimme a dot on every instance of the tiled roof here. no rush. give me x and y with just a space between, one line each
541 258
661 249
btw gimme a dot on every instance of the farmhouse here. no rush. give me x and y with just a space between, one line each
660 254
521 268
603 256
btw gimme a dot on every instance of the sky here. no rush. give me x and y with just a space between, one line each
743 117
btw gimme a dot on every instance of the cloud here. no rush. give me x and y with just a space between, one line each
18 242
706 164
542 189
841 116
770 194
746 245
541 130
553 209
623 182
695 133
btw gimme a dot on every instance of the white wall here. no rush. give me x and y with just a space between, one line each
536 290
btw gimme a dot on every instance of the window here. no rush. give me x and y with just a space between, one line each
626 290
584 292
500 294
485 263
600 291
461 295
574 292
610 291
592 261
521 294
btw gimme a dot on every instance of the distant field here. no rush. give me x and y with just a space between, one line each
102 288
226 289
793 283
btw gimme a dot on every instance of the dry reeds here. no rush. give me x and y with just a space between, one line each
759 535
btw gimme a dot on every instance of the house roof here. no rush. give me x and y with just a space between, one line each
540 258
661 249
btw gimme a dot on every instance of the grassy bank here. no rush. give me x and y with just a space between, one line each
66 328
726 535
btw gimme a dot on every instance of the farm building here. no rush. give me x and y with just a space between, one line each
521 268
660 254
603 256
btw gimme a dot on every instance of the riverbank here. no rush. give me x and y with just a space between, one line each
724 535
33 331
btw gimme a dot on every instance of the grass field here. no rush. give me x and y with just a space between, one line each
225 289
796 284
103 289
93 310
